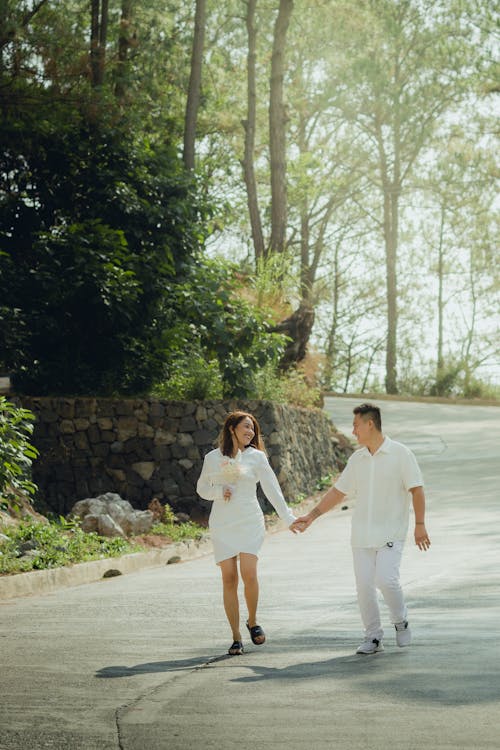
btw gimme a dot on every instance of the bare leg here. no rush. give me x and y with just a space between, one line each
248 570
229 570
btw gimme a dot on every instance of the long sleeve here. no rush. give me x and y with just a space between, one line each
272 490
206 487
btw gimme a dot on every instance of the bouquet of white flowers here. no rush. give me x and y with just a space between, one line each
230 471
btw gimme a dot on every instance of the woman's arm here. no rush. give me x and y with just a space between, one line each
206 487
272 490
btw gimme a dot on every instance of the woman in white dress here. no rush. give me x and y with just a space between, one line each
229 479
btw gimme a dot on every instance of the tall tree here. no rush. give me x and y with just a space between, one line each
411 62
98 39
277 130
249 124
194 87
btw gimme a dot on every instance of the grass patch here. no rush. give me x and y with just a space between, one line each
39 546
178 532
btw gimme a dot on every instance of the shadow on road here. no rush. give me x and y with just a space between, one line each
427 677
154 667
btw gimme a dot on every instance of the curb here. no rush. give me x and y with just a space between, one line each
39 582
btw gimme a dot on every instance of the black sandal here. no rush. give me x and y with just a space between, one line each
236 649
256 632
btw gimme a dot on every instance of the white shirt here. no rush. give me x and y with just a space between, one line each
379 484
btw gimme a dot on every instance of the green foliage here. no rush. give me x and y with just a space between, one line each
324 482
97 224
178 532
218 326
446 381
168 527
54 545
286 388
16 452
191 377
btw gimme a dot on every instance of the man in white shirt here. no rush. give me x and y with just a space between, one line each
380 477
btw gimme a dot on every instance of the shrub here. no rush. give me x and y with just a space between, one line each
191 377
54 545
16 452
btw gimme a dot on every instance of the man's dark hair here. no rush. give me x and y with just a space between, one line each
369 411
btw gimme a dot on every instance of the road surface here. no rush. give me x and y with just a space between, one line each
138 662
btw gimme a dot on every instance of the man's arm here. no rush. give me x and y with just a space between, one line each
421 537
329 500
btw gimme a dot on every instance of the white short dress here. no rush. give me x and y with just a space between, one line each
237 525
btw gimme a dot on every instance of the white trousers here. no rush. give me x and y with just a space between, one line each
379 569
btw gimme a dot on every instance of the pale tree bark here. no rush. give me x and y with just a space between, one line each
440 355
98 39
194 89
125 40
277 130
249 125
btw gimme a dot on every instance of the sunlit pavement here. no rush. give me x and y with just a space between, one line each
138 662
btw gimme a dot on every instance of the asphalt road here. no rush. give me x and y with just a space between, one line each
138 663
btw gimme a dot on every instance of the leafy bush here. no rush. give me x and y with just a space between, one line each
286 388
16 452
177 532
97 226
53 545
192 377
168 526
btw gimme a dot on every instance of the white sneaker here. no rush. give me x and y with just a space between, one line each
370 646
403 633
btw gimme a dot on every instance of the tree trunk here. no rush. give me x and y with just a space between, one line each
277 123
331 344
298 328
249 125
390 189
98 39
440 357
390 209
193 98
94 41
124 43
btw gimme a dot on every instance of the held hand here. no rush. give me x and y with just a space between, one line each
227 492
301 523
422 538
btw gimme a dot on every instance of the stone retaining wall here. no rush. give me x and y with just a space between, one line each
145 448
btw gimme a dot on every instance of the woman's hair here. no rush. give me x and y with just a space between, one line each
232 420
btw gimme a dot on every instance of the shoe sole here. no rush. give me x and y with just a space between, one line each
370 653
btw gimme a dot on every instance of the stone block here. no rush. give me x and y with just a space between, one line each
188 424
84 407
161 453
66 427
66 408
201 414
101 449
184 439
145 430
164 438
105 423
157 409
145 469
81 423
124 408
126 427
93 434
203 437
81 441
